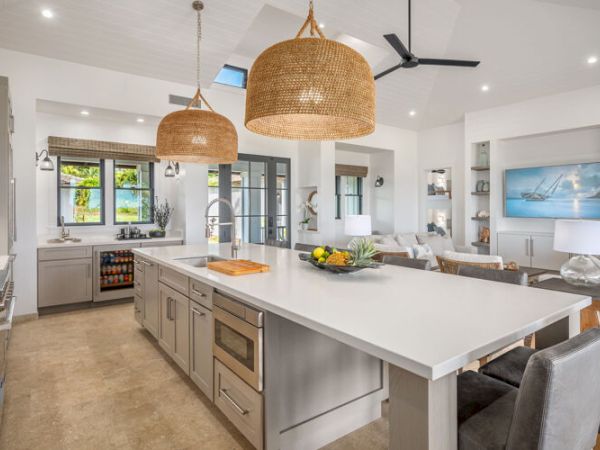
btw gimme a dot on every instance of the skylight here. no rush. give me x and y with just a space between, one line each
232 76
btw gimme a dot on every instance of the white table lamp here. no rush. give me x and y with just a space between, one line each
582 238
357 225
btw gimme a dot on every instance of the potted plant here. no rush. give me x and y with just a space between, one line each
162 216
304 223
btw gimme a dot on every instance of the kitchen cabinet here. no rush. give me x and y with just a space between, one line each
146 288
530 250
201 355
63 282
174 331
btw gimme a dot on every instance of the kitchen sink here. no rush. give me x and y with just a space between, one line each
62 241
200 261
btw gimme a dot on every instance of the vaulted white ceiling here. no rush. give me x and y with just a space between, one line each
527 48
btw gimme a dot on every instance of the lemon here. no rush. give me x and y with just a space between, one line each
322 259
318 252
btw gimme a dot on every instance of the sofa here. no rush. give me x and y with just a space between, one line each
426 245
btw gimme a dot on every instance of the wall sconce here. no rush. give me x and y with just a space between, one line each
172 169
379 181
46 163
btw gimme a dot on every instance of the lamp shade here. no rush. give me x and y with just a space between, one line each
577 236
357 225
197 136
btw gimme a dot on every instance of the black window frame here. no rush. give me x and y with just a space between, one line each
151 189
235 69
338 195
102 194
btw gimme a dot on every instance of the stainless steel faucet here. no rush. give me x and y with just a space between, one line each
208 227
64 234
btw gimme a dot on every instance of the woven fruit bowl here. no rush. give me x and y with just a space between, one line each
358 258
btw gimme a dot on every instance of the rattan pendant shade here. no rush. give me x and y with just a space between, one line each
310 89
196 135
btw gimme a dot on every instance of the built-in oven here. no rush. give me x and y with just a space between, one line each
238 338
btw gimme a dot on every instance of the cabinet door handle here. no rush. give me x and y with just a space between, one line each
169 308
200 313
526 247
197 292
14 209
89 271
531 247
146 263
235 404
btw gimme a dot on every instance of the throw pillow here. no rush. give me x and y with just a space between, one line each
425 252
439 244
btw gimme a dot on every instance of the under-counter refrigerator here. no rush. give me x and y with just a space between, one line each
113 272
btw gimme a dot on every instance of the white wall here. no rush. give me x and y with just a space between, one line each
95 129
34 78
382 198
442 148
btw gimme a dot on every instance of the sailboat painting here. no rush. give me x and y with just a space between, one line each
554 192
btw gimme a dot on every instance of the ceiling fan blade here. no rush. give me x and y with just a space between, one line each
390 70
447 62
397 44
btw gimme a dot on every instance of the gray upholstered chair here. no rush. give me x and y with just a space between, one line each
422 264
277 243
556 407
304 247
503 276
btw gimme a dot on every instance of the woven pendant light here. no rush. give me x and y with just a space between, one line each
195 135
310 88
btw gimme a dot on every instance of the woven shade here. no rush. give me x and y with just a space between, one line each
197 136
86 148
310 89
351 171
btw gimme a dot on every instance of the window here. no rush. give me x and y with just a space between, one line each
81 191
232 76
133 192
352 188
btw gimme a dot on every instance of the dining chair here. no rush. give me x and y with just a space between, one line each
502 276
277 243
404 261
448 265
304 247
557 405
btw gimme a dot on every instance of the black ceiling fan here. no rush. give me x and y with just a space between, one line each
409 60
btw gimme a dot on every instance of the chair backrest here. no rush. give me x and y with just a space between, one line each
451 266
503 276
304 247
422 264
277 243
558 404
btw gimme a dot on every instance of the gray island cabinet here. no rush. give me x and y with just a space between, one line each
281 384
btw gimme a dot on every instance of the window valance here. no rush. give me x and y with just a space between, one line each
342 170
61 146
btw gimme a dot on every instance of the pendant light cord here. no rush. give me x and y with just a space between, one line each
315 31
198 98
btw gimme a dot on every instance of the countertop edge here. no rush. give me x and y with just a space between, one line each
99 242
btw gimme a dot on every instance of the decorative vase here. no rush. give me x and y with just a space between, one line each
304 226
157 233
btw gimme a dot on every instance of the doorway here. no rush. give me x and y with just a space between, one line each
259 189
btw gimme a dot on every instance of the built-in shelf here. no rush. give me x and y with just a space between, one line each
480 168
480 244
481 219
308 231
481 193
439 197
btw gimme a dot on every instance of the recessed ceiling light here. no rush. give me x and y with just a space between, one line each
592 60
485 88
47 13
321 25
140 120
412 113
85 112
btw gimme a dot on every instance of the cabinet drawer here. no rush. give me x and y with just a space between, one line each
242 405
174 279
54 254
138 308
201 293
64 282
138 286
138 264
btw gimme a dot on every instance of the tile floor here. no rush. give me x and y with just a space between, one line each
93 379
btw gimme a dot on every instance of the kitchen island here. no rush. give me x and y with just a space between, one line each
426 325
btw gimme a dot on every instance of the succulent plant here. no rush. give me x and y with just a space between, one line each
362 252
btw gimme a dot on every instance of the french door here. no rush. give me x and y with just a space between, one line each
259 189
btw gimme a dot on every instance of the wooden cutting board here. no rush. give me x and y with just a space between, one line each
238 267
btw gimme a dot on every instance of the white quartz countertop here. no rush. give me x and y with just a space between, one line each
429 323
102 240
4 259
